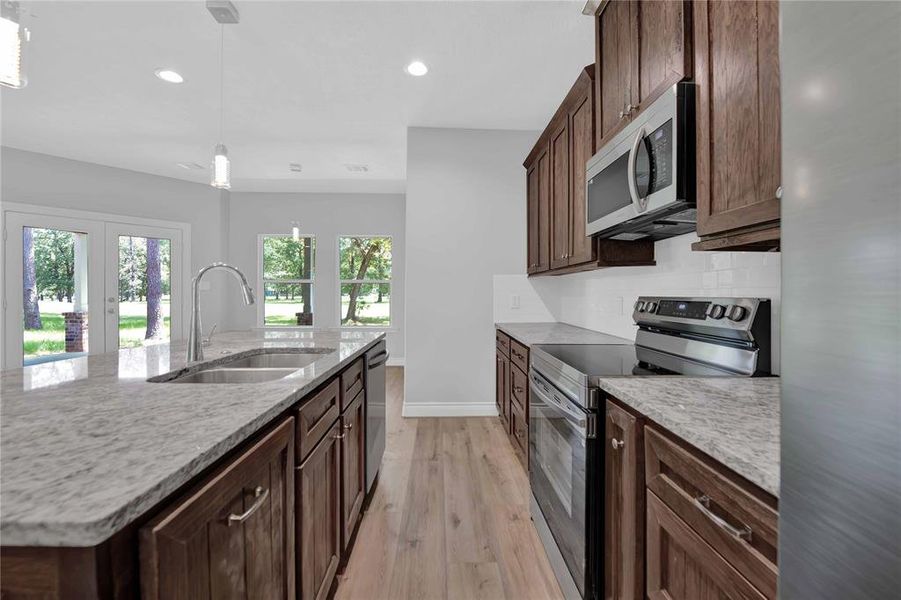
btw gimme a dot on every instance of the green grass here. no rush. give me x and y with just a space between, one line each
51 338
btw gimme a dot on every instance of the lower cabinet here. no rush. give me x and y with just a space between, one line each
623 505
232 536
353 467
502 388
319 517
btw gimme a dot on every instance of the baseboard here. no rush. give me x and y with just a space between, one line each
395 361
450 409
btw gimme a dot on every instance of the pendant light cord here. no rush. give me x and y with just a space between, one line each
221 82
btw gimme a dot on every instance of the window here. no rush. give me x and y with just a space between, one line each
364 268
287 280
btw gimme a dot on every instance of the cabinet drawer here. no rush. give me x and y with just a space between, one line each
315 417
681 566
502 341
351 383
519 434
519 388
519 355
730 515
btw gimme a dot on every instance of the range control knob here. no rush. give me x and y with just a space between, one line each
716 311
639 306
651 307
736 313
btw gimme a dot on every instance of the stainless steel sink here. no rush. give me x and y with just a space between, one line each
266 364
219 375
278 360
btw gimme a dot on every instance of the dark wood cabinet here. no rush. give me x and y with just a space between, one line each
502 391
353 467
614 57
556 203
623 505
736 67
642 48
233 535
560 181
319 517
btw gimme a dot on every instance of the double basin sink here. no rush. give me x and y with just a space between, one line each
268 364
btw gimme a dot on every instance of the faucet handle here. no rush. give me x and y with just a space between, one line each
209 338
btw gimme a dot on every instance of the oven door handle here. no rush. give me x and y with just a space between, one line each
585 422
641 204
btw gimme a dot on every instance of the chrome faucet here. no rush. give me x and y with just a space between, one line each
195 337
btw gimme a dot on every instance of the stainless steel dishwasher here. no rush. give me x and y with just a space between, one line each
376 358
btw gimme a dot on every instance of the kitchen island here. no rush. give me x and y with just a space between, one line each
92 450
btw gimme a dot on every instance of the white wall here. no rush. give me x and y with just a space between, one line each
45 180
326 216
602 300
466 222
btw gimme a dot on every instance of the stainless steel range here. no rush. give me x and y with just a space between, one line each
699 337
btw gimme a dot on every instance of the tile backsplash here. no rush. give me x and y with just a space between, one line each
602 300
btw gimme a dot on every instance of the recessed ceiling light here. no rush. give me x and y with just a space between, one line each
190 166
417 68
357 168
169 76
295 167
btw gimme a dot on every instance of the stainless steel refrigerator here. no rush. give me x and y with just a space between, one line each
840 499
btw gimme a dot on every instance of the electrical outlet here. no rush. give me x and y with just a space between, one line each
514 301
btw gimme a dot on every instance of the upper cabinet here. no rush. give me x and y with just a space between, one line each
736 64
555 182
642 48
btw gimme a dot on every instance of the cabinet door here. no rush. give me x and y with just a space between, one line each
560 195
623 506
581 120
233 535
614 68
353 467
319 517
681 566
736 66
544 212
663 52
532 215
502 392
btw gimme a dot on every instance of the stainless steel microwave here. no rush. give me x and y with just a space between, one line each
641 185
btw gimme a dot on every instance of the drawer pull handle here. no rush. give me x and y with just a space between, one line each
348 426
261 495
617 444
742 533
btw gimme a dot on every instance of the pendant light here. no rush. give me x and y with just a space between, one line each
13 39
221 167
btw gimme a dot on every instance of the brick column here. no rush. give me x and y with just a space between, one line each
76 331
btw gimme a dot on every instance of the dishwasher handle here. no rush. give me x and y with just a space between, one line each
375 363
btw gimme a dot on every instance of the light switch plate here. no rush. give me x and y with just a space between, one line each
514 301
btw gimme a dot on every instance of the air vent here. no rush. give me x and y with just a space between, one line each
191 166
357 168
295 167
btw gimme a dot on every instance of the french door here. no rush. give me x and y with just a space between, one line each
76 285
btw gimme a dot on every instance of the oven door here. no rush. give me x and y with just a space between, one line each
561 447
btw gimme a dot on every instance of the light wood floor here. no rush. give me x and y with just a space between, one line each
449 517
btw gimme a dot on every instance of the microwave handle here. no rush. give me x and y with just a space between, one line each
640 203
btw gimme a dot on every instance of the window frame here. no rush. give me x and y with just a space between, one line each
262 281
340 282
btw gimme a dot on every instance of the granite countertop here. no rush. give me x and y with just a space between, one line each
88 445
556 333
735 420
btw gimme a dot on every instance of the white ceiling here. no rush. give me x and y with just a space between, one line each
318 83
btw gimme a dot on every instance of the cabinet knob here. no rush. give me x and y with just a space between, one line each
779 193
348 426
617 444
622 114
630 108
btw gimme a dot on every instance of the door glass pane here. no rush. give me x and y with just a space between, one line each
144 290
366 304
55 294
288 304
